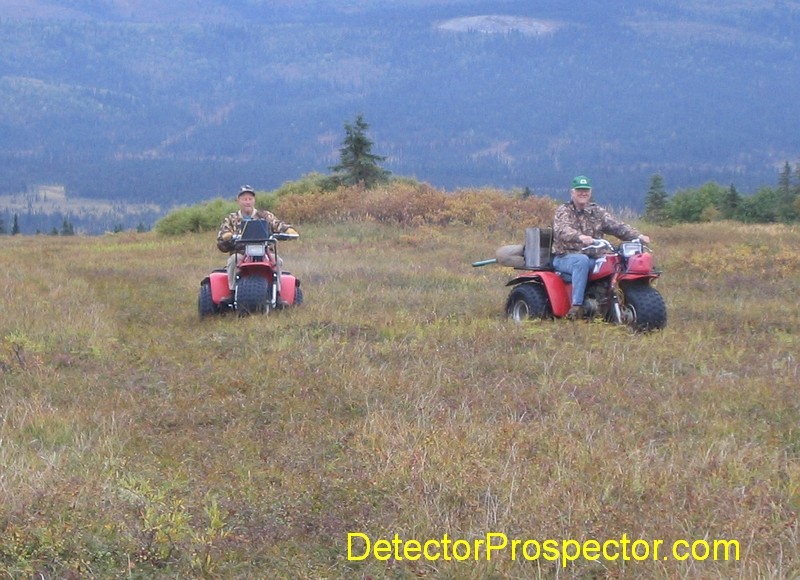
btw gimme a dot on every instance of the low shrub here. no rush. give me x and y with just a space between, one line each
199 218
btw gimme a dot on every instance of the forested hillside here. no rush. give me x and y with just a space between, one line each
129 103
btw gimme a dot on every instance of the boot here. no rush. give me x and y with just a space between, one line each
575 312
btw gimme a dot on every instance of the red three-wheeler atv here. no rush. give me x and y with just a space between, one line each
619 290
256 287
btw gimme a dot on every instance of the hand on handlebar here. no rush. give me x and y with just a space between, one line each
289 234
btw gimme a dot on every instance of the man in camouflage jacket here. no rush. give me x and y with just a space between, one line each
232 225
576 225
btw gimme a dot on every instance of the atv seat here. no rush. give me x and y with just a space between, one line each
567 278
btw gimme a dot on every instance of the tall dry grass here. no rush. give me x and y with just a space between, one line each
137 441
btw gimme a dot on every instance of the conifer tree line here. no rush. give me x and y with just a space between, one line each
67 228
712 202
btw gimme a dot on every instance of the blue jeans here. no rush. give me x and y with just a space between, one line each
578 266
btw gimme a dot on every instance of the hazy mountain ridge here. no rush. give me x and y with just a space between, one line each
114 99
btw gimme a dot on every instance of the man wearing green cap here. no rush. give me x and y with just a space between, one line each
576 225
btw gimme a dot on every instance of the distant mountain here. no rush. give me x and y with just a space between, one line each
153 102
194 11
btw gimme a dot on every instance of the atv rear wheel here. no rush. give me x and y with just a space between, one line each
252 295
205 303
643 307
528 301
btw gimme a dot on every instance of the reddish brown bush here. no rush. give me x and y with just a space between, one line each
415 204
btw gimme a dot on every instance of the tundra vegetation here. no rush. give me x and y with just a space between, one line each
138 441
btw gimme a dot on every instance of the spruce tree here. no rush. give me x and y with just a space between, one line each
15 225
796 193
66 228
358 165
785 179
655 205
786 196
796 185
730 203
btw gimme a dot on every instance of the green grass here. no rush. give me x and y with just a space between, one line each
137 441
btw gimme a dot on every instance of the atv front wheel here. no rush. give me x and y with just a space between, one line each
252 295
643 307
528 301
205 303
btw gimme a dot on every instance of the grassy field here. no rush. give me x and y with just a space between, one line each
137 441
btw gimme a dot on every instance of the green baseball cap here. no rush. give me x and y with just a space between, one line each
581 182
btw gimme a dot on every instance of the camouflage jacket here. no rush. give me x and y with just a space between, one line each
570 223
233 224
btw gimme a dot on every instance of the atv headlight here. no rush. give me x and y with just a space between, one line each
631 249
254 250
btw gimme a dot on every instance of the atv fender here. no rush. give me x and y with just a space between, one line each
558 291
219 285
630 276
289 286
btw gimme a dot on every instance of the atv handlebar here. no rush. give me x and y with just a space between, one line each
237 239
599 244
603 244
